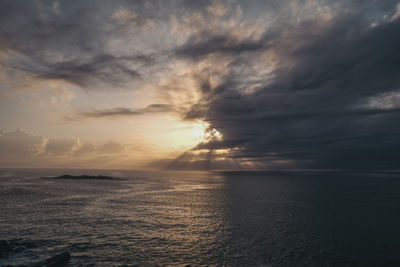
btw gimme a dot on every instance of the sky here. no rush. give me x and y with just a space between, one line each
179 84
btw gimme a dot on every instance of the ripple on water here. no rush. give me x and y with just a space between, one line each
203 219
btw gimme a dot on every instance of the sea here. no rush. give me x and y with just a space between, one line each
202 218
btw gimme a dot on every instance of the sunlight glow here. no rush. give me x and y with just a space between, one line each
197 132
212 135
203 132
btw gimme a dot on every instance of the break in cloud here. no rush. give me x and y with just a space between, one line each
286 84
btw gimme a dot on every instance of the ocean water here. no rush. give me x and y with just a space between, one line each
203 218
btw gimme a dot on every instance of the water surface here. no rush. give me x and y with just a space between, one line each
203 218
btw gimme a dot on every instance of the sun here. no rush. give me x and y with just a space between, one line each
204 133
198 133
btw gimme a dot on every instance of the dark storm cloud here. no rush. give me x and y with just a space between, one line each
104 68
322 106
121 112
68 40
202 45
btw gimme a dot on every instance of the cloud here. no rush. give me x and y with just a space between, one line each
202 45
291 84
61 146
70 42
120 112
129 18
85 149
217 9
397 14
18 143
21 149
104 68
111 147
307 113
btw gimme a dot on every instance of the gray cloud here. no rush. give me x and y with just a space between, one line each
307 114
70 41
121 112
105 68
203 44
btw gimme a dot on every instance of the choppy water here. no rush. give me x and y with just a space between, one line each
203 218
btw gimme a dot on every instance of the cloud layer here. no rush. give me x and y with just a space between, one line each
286 84
21 149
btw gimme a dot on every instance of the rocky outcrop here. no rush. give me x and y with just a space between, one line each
14 246
84 177
5 249
58 260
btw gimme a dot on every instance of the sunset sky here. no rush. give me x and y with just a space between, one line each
200 84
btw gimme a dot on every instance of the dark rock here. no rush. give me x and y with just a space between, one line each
84 177
5 249
58 260
5 246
